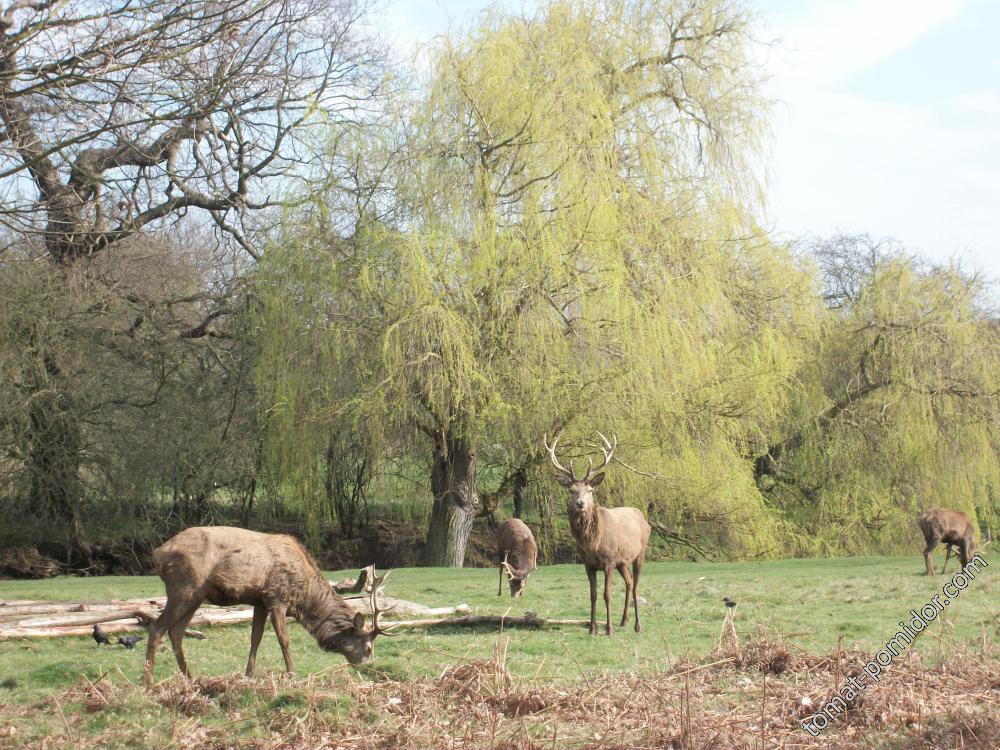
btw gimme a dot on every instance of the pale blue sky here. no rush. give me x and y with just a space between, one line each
888 122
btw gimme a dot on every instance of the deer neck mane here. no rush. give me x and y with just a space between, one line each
322 612
586 525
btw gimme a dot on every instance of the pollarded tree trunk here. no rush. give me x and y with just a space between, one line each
456 502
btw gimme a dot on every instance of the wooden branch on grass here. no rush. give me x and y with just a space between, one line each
69 620
116 626
14 610
76 618
529 620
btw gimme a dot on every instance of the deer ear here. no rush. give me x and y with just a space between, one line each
597 480
564 480
359 622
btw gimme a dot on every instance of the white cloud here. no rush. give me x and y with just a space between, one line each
924 173
834 40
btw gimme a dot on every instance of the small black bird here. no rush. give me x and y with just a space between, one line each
100 636
728 602
129 641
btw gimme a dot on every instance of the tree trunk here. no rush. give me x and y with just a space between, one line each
520 482
54 464
456 503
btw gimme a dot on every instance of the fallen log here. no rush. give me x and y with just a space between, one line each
353 585
27 619
404 606
118 626
68 620
17 609
233 616
529 620
111 621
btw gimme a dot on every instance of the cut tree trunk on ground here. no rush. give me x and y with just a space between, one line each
109 628
70 618
12 610
529 620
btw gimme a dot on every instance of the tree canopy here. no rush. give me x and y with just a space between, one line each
575 249
550 225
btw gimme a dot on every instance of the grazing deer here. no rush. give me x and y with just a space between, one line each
225 565
951 527
516 544
608 538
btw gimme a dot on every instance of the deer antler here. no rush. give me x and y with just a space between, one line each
377 581
508 567
552 457
609 451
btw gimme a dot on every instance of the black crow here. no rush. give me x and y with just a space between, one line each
100 636
728 602
129 641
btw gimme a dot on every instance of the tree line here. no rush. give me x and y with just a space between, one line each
252 267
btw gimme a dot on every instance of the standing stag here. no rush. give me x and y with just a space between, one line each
225 565
516 545
951 527
608 538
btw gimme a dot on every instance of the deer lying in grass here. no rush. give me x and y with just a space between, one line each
224 565
516 545
951 527
608 538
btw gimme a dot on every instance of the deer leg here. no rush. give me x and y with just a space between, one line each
592 575
608 572
256 633
171 612
636 570
281 631
627 577
500 587
947 556
931 544
177 636
963 552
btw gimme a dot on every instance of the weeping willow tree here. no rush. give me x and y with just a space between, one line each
899 408
561 239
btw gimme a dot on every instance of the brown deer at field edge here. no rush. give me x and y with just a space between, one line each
224 565
516 546
608 538
951 527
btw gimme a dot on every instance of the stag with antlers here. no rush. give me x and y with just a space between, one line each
516 544
273 572
609 539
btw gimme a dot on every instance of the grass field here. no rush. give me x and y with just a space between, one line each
67 692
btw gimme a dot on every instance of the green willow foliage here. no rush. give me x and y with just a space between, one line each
575 249
559 235
906 379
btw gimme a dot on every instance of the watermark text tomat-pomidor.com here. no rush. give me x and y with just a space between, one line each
895 646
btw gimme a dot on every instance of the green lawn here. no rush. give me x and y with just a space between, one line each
810 603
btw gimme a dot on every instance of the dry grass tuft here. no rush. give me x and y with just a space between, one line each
95 696
476 680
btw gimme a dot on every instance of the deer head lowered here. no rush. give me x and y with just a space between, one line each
608 538
224 565
951 527
516 544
